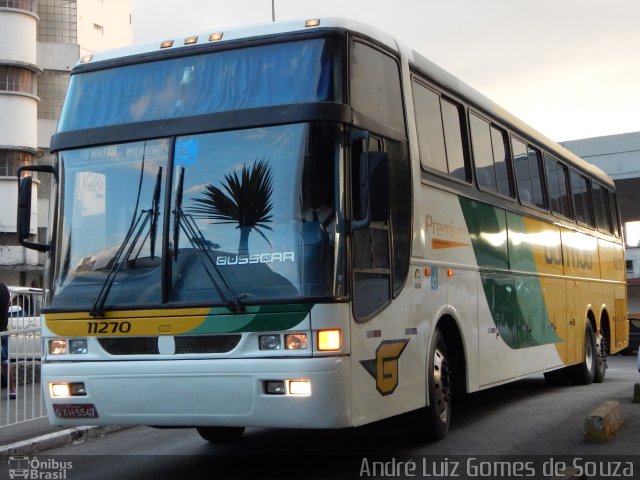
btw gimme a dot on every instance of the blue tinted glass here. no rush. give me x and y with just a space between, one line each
262 76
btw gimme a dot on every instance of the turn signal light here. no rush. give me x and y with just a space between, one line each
329 340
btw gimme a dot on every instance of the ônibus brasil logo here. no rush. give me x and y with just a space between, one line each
33 468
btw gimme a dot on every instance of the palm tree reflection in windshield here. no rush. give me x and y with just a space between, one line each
247 202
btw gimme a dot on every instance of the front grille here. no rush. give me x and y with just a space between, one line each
130 346
183 344
206 343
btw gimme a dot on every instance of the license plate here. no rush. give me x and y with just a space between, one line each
75 410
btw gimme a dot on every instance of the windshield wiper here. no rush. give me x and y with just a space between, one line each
186 223
131 239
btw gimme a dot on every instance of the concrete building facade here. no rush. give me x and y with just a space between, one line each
40 42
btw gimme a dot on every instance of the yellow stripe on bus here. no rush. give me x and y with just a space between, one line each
131 324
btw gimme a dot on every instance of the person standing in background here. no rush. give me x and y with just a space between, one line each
4 324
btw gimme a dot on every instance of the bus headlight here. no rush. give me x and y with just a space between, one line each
78 346
76 389
295 341
62 346
58 347
270 342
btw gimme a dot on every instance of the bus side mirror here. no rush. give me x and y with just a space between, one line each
371 195
23 221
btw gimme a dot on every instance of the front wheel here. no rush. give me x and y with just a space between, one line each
440 385
220 434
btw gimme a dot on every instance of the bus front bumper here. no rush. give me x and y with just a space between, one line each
188 393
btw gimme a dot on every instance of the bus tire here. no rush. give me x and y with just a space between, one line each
220 434
601 359
584 373
440 385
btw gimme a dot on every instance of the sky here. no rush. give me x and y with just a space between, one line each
568 68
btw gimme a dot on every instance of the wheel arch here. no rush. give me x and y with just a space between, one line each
457 352
605 328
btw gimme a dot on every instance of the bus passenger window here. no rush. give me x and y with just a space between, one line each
528 174
601 202
501 160
536 177
490 153
614 214
582 198
482 152
439 125
451 116
523 176
557 181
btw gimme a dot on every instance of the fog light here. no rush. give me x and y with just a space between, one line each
57 347
77 389
274 387
78 346
300 387
59 389
295 341
67 389
270 342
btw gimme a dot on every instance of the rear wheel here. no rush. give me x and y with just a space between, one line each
601 359
220 434
440 384
584 373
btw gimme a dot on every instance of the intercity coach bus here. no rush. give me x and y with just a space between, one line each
308 225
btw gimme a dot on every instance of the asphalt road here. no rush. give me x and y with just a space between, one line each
520 422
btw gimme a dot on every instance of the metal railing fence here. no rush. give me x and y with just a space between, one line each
24 351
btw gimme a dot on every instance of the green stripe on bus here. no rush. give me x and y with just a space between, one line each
255 319
516 302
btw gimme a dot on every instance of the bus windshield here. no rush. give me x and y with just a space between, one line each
244 78
254 216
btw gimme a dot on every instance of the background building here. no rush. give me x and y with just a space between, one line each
40 42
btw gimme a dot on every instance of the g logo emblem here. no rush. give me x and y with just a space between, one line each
384 368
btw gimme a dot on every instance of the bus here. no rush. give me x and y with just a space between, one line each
307 224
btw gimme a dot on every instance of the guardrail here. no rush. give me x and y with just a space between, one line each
25 350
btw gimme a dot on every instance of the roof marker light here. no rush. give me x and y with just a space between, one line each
166 44
190 40
86 58
214 37
312 23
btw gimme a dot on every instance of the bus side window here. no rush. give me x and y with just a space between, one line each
582 198
615 218
558 183
602 209
490 155
528 174
439 123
